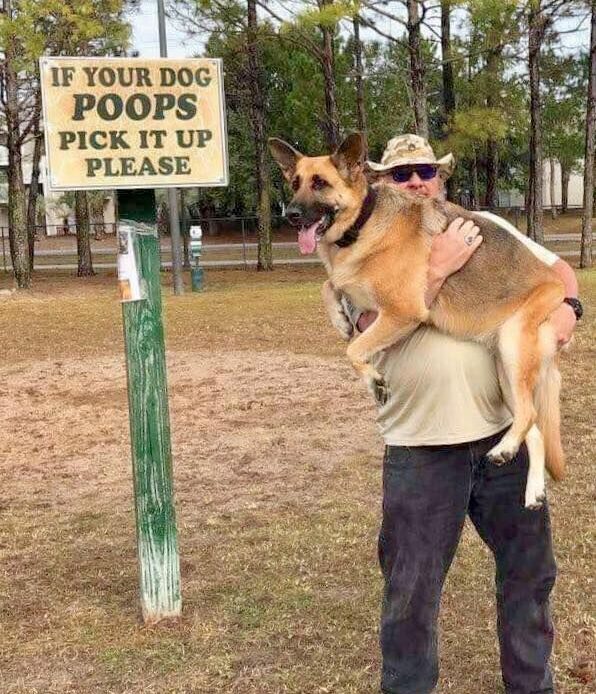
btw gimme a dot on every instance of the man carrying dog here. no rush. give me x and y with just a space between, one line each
444 412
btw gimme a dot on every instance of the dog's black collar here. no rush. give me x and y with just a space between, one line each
351 235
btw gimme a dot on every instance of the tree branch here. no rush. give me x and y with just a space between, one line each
371 25
373 6
312 46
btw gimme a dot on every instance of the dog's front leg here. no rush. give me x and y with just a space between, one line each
339 320
384 332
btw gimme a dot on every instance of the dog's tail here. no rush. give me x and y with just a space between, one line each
549 417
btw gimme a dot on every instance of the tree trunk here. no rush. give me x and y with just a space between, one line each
327 60
492 146
528 195
96 202
265 250
34 186
565 176
184 227
85 262
475 186
448 81
360 106
17 214
586 242
594 205
492 173
417 71
163 220
185 250
551 191
99 229
536 34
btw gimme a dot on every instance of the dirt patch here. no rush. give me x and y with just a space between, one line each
277 474
241 422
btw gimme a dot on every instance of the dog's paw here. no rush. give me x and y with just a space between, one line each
342 324
535 496
499 457
535 488
504 452
380 390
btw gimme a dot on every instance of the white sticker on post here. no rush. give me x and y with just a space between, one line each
128 271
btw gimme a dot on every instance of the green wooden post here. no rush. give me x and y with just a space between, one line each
157 543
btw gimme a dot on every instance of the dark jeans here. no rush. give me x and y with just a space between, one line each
427 493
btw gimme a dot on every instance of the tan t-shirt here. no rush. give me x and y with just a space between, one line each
444 390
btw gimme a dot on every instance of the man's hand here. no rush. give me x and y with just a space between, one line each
449 252
563 320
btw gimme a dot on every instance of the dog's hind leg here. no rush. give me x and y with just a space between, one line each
535 485
519 364
535 441
520 353
384 332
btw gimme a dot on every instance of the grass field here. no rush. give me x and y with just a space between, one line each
278 499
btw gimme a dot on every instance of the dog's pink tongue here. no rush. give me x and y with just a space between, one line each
307 241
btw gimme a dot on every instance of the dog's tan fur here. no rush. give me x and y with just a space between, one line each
502 296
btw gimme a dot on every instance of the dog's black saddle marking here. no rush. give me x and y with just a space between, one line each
350 236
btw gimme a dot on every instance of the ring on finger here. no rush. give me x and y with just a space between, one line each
469 240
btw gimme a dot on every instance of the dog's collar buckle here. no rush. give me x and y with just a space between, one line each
350 236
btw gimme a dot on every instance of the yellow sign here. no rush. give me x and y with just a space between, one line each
134 123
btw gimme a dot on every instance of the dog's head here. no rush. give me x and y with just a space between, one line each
328 190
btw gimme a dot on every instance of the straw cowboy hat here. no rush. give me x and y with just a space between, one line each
411 149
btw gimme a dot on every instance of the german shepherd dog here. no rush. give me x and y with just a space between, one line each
375 244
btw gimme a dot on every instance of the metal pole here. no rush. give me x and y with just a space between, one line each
172 193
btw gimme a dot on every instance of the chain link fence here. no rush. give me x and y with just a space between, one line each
229 242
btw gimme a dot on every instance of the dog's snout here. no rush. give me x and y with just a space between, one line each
294 215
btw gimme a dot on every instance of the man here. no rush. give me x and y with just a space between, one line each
444 412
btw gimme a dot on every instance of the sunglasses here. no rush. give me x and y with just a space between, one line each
403 173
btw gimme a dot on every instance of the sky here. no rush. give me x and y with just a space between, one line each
145 37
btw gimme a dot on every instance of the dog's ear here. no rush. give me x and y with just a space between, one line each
285 155
349 157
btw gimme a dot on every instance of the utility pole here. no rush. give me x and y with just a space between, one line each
172 192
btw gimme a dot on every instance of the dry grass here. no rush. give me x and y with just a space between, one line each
278 496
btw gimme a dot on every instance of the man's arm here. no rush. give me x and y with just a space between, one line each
563 318
567 275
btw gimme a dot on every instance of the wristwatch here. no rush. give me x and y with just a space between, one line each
576 305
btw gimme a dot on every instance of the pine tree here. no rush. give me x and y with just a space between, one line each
30 29
586 239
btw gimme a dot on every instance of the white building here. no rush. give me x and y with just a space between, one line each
575 194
